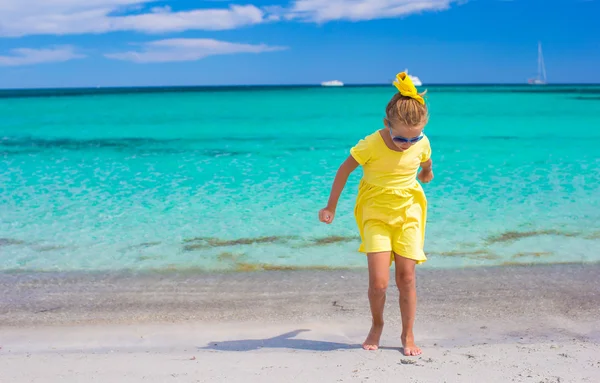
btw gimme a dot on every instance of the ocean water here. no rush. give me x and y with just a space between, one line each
232 179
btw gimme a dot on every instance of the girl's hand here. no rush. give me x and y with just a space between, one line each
326 215
426 175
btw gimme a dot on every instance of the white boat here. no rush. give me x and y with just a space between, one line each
332 83
541 75
414 79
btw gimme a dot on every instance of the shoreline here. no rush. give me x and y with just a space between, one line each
536 324
257 268
34 299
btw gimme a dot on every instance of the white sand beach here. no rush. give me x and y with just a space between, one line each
505 324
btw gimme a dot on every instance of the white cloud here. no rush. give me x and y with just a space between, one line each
204 19
27 56
321 11
164 9
170 50
60 17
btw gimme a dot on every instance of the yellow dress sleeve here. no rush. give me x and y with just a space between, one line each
426 153
361 152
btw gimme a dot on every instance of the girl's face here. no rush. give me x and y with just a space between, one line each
404 136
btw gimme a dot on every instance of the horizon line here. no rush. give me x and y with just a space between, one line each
315 85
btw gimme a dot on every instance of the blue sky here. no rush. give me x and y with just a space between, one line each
75 43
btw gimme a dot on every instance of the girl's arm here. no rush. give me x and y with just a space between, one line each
348 166
426 173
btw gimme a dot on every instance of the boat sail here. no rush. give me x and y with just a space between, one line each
541 75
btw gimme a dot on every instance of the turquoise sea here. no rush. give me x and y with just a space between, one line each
191 179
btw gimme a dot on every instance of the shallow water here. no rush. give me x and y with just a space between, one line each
227 179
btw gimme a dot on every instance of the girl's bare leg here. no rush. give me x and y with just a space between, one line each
406 282
379 276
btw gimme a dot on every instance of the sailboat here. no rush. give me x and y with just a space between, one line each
541 76
332 83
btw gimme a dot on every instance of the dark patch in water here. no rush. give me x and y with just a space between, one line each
475 254
195 247
228 257
434 88
331 239
469 244
536 254
223 153
207 242
148 244
246 139
143 245
44 248
10 242
142 145
593 236
510 236
246 267
199 243
145 146
72 143
22 262
18 152
148 257
73 92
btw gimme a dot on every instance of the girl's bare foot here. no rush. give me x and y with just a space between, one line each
410 348
372 341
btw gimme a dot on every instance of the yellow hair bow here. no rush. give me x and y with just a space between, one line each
406 87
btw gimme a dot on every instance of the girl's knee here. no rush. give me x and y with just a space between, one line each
378 285
405 271
379 271
405 277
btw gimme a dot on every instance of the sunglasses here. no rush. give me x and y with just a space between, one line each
404 140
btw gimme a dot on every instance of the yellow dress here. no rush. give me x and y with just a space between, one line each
391 208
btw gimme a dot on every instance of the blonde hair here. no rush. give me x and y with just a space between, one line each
407 110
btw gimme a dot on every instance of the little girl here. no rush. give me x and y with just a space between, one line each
391 208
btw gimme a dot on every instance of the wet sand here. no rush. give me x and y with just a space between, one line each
522 324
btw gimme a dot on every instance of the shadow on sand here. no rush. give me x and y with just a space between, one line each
282 341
